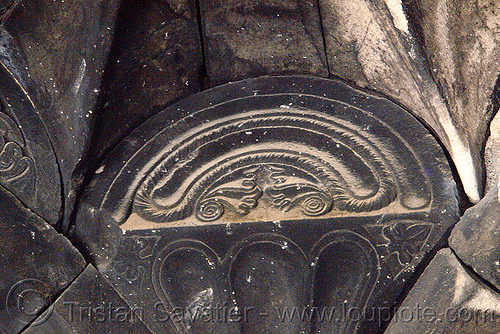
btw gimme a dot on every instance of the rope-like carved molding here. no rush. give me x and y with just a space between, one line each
304 162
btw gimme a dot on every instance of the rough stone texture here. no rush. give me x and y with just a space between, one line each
254 38
36 264
492 155
447 299
89 306
56 51
476 237
156 59
372 44
270 192
462 41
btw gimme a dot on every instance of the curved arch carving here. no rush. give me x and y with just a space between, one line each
347 270
286 157
268 177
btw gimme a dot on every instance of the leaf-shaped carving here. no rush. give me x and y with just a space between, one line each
406 240
17 170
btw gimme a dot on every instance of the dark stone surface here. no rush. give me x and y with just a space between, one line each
156 59
277 192
36 264
447 299
28 165
476 237
55 51
89 305
250 39
262 199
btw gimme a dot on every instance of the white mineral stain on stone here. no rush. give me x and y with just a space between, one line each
469 294
462 157
462 287
79 76
398 15
484 300
100 170
387 67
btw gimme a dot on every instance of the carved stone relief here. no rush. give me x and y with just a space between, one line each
270 156
17 170
266 196
286 203
28 167
54 53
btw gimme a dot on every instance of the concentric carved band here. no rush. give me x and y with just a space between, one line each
285 158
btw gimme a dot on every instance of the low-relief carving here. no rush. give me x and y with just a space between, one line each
281 185
273 193
400 242
17 170
267 272
186 274
133 254
406 240
345 276
290 160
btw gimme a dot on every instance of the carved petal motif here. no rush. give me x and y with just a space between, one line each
276 193
400 242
